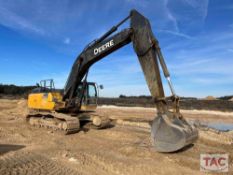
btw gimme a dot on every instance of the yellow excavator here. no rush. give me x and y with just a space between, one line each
65 109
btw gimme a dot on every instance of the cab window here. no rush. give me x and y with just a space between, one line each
92 91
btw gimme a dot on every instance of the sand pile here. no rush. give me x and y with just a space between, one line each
210 98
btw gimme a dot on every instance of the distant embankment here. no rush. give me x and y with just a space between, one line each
222 103
189 103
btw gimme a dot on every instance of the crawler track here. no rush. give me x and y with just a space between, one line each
54 121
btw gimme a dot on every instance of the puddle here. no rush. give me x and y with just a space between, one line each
214 125
221 126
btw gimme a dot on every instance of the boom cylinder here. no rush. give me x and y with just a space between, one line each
113 29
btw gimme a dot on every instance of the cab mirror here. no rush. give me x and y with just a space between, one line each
101 86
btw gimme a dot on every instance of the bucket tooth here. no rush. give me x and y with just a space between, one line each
171 133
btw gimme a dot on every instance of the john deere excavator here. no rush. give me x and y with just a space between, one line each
63 110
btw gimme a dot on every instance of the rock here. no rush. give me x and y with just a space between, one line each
81 132
72 159
97 121
120 121
65 155
12 118
50 132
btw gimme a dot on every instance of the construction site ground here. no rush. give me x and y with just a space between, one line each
124 148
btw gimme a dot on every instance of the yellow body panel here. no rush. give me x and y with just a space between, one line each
44 101
50 101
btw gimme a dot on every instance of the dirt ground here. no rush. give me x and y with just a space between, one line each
121 149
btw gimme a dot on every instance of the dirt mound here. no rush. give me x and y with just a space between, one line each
210 98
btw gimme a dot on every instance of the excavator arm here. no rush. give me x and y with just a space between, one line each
145 46
169 130
91 55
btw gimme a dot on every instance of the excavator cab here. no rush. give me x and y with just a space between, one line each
90 96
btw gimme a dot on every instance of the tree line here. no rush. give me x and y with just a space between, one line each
15 90
11 89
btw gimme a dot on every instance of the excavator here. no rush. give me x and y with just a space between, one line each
65 110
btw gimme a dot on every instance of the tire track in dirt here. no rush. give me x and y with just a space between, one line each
115 153
22 163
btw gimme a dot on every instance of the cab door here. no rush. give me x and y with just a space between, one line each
90 98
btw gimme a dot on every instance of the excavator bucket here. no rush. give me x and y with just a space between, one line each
170 133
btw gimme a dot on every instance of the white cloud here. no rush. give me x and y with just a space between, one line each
201 6
213 81
51 21
67 40
177 34
171 17
12 20
203 66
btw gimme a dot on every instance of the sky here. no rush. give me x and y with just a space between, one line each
40 39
